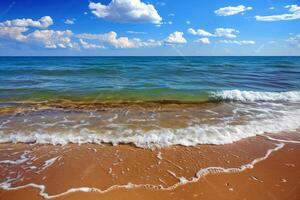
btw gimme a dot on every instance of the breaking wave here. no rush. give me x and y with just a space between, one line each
252 96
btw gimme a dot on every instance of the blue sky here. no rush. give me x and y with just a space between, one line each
149 27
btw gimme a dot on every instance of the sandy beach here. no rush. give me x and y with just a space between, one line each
149 100
253 168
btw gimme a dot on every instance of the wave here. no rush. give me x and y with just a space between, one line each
252 96
218 134
261 118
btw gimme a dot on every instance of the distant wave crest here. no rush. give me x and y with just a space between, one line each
252 96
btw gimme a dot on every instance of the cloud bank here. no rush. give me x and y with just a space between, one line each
111 38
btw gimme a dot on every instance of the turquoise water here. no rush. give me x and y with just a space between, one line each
142 78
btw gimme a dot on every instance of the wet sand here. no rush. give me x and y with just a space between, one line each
253 168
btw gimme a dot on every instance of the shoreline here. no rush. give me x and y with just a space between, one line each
170 169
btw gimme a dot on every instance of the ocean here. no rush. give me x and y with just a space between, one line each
149 127
147 101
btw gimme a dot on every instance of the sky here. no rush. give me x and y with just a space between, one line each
149 27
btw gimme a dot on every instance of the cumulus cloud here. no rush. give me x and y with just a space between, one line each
294 13
87 45
219 32
43 22
226 32
294 41
238 42
231 10
15 33
126 11
111 38
203 40
53 39
17 29
69 21
20 30
199 32
175 38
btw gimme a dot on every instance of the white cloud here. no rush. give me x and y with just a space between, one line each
171 14
137 32
199 32
175 38
15 29
238 42
111 38
87 45
53 39
49 38
70 21
226 32
126 11
43 22
271 8
294 13
203 40
163 23
231 10
161 3
293 8
151 43
219 32
295 41
188 22
64 39
15 33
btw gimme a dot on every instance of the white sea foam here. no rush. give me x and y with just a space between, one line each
251 96
220 133
49 162
244 120
159 156
23 158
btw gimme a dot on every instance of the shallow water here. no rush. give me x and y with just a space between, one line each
147 101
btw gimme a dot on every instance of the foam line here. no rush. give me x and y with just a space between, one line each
281 140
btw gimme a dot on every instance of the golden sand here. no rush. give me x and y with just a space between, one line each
157 173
